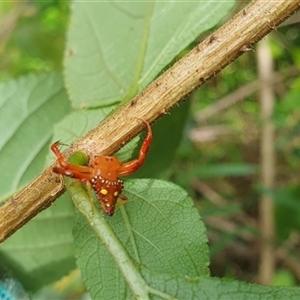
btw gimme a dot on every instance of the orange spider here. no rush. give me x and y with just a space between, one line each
102 173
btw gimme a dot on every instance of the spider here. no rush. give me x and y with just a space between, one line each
102 173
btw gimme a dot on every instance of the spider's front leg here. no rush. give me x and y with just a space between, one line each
82 173
132 166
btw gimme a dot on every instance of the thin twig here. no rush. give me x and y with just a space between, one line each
266 207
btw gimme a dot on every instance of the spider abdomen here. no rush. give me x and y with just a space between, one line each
107 191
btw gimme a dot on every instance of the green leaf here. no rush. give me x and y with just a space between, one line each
163 240
185 288
78 123
115 49
158 228
42 250
30 106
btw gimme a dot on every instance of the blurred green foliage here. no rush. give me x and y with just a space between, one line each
34 36
34 41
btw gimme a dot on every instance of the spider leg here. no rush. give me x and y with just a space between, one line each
132 166
82 173
70 171
121 200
